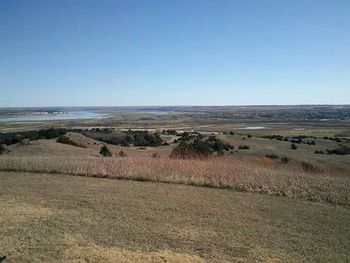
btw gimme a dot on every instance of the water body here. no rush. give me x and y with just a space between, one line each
73 115
253 128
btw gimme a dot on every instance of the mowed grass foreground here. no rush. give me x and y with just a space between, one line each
223 172
62 218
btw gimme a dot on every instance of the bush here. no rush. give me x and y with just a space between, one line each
155 155
25 142
340 151
293 146
3 148
271 156
122 153
243 147
311 142
169 132
284 159
193 149
65 140
274 136
337 139
105 152
310 168
319 152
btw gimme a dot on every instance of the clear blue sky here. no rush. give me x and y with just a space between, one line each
174 52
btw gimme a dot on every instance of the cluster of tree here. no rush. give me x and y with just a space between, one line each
16 137
169 132
65 140
200 148
294 139
137 138
144 138
217 145
337 139
188 136
276 137
343 150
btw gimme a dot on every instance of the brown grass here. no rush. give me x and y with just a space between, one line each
64 218
225 172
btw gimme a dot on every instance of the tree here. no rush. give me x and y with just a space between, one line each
293 146
105 151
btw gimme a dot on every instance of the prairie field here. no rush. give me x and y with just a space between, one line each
228 172
64 218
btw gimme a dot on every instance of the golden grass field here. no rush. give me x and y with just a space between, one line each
246 170
63 218
225 172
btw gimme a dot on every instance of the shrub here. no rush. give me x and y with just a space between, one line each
194 149
155 155
284 159
274 136
337 139
105 151
271 156
25 142
169 132
340 151
310 168
65 140
122 153
232 133
293 146
249 136
243 147
3 148
319 152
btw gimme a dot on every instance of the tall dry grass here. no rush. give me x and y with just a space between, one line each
224 172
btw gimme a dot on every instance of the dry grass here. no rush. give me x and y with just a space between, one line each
225 172
63 218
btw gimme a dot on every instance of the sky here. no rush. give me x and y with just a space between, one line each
174 52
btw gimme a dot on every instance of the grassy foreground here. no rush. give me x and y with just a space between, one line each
62 218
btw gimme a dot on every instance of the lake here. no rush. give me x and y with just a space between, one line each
73 115
253 128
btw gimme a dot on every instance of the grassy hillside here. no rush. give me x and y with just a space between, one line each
60 218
